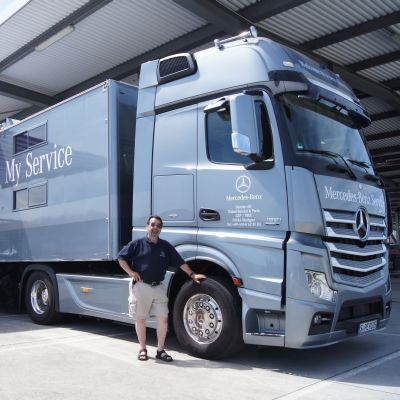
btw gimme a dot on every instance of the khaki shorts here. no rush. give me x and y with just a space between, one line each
146 300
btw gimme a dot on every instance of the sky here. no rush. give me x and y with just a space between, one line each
9 7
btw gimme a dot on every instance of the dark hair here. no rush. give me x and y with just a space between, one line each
156 217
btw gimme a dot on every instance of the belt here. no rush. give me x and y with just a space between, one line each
154 283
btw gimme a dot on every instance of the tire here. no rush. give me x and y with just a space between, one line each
207 318
40 299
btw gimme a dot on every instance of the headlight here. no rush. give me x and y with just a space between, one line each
318 286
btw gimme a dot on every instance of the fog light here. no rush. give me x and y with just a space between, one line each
317 319
318 286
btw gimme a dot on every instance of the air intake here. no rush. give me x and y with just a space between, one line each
175 67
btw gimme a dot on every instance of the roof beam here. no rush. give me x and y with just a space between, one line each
375 61
353 31
385 115
381 159
72 19
388 168
216 14
385 150
29 96
382 135
392 83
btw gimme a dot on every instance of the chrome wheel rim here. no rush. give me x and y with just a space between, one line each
39 297
202 318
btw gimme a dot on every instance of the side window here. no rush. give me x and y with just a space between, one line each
30 197
219 145
30 138
219 129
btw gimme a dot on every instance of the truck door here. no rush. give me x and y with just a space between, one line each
242 205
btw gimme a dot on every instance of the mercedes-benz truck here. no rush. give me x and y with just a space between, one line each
252 155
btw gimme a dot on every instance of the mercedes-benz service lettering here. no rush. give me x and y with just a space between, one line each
252 155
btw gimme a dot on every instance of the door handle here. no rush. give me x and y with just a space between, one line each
206 214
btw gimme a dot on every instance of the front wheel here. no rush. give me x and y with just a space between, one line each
40 299
207 319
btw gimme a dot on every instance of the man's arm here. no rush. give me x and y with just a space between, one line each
125 266
196 277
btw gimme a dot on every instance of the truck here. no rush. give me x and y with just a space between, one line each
252 154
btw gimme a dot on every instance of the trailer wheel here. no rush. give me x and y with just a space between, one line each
207 319
40 299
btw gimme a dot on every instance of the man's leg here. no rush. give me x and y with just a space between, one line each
162 327
140 326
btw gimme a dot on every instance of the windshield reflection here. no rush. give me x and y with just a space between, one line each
322 126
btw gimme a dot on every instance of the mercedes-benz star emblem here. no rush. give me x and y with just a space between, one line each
243 184
361 225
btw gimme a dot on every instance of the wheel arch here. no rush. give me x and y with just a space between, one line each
208 261
31 268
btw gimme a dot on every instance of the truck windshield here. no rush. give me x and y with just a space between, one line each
322 127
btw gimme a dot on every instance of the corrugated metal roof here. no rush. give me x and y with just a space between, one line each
383 72
237 4
375 105
105 39
383 143
321 17
9 105
385 125
32 20
360 48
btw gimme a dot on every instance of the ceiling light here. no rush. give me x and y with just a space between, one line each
55 38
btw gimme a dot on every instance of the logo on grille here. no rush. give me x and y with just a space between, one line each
361 226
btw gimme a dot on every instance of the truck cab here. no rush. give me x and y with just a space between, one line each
262 177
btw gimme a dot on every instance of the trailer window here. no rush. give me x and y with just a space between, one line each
30 197
30 138
219 129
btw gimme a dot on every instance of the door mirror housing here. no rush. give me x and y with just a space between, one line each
245 137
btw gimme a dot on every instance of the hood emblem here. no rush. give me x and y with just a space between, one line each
361 225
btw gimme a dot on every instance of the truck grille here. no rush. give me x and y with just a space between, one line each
355 262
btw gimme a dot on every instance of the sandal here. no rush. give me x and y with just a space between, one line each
162 355
142 356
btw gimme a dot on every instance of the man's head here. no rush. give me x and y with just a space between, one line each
154 225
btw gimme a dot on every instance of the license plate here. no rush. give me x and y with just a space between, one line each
368 326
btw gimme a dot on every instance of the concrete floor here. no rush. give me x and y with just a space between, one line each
90 359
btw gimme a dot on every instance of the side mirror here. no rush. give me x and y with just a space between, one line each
245 137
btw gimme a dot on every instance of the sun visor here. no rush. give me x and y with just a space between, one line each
316 89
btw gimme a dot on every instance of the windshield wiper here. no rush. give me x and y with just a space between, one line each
359 163
374 178
332 154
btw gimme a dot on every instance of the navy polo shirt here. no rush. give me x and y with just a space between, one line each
150 260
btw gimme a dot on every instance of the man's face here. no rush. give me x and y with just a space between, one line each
154 228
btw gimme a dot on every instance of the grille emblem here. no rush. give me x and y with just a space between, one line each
361 225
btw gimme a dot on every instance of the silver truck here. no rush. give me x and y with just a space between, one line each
251 153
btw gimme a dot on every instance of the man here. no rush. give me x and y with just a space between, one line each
146 260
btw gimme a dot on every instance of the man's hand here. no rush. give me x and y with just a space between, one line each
135 276
199 277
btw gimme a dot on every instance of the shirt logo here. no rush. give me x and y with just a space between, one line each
162 254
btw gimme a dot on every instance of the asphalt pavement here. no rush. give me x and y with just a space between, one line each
93 359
